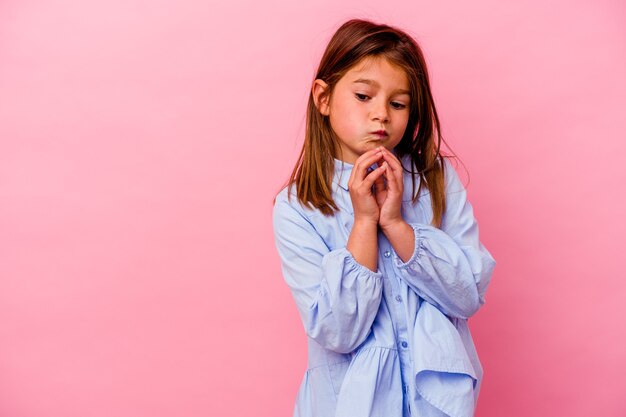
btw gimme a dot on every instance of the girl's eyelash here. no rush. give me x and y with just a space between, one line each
361 97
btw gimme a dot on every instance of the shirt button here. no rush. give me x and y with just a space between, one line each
404 344
387 254
398 298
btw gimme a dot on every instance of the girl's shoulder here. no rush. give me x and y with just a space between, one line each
286 197
294 220
286 202
451 177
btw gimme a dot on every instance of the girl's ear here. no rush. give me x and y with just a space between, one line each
320 96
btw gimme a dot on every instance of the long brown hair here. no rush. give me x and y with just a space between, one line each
355 40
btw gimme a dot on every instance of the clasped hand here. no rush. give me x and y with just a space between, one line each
377 195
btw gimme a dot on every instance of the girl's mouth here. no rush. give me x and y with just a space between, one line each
381 134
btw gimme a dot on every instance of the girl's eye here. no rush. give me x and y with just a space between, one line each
394 104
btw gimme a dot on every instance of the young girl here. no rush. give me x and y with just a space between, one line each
378 241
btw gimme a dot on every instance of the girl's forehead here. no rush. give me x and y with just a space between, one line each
376 69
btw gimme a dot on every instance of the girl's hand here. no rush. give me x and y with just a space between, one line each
366 209
389 197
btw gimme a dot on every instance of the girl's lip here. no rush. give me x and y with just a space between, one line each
380 132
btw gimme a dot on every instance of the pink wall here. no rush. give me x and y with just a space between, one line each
141 143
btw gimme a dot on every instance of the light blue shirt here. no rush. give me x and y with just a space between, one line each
394 342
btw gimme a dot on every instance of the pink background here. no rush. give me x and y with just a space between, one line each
141 143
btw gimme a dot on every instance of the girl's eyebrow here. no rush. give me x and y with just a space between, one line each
375 84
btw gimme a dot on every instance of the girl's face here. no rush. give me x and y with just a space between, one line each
372 96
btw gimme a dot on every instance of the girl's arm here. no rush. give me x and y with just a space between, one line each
447 267
337 297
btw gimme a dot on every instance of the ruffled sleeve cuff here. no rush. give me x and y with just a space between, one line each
417 251
352 264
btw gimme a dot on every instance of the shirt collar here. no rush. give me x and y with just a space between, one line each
342 173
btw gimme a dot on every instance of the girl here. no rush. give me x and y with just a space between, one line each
378 243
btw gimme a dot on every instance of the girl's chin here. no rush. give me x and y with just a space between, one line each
372 144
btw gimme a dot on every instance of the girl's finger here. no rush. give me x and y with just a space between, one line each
358 174
392 180
393 160
373 176
379 183
359 171
395 165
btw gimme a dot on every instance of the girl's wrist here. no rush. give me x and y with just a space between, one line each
391 226
365 223
395 227
401 238
363 243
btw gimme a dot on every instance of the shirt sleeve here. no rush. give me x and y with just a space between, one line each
449 267
337 297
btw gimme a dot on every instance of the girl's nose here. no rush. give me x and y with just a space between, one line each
380 113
